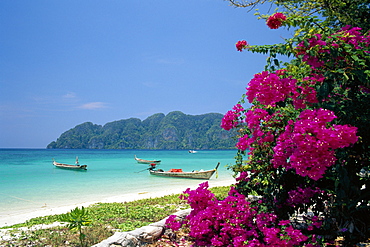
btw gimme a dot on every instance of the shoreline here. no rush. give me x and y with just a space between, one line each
13 219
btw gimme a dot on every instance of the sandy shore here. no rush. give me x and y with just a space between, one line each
9 220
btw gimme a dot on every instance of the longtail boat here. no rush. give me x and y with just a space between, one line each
77 166
179 173
142 161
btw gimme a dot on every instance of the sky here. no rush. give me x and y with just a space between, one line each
63 63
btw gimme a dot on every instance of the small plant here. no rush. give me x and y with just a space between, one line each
76 219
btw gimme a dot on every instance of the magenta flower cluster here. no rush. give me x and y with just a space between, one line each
305 94
302 195
308 145
276 20
314 42
268 88
230 120
353 36
173 223
347 35
240 45
254 119
234 222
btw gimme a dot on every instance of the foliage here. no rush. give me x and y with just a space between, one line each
336 12
173 131
305 136
76 219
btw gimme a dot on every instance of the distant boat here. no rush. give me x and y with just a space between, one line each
178 173
192 151
77 166
142 161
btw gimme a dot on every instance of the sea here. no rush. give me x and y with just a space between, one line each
29 181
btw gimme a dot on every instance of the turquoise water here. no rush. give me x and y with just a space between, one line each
29 181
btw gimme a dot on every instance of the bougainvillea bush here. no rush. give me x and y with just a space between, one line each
235 222
303 143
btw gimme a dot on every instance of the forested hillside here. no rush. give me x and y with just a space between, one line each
175 130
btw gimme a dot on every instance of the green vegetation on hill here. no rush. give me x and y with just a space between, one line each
175 130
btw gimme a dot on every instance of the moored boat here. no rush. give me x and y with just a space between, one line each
77 166
142 161
179 173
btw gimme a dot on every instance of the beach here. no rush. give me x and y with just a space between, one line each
11 219
31 186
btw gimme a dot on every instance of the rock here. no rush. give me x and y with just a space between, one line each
130 241
141 236
160 223
183 213
117 237
150 233
251 198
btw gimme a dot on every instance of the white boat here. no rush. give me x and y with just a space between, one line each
142 161
179 173
192 151
77 166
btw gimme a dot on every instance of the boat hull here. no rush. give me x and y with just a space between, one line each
142 161
70 167
193 175
148 162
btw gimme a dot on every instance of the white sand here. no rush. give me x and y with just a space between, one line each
12 219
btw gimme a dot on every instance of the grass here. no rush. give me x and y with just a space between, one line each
106 219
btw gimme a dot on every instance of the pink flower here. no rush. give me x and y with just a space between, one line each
240 45
313 60
296 236
244 142
306 94
301 195
352 35
230 120
234 222
269 88
173 223
243 176
276 20
308 144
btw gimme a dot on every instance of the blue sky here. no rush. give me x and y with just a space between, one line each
63 63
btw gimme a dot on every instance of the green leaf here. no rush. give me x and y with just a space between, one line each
325 89
346 76
354 57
